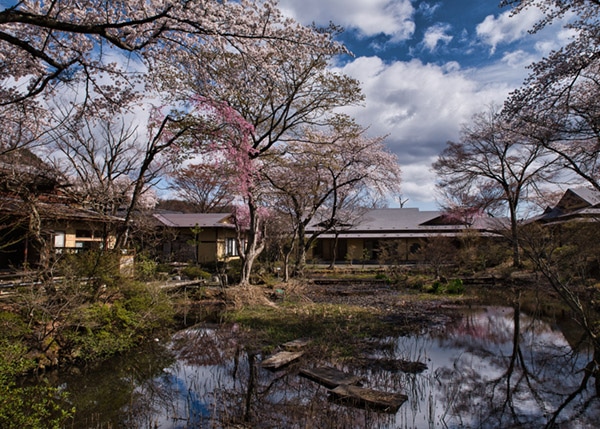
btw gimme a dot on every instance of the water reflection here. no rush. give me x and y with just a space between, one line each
493 368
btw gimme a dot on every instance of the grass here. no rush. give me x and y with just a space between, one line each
334 330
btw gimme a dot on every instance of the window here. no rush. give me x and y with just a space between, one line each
414 248
59 242
231 247
59 239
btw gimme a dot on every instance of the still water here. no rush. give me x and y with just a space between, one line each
495 367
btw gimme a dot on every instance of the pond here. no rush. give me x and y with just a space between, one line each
494 367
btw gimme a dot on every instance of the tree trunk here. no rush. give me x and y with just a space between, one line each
301 260
514 233
255 242
334 251
286 257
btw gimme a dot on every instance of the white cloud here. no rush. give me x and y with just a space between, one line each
507 28
420 107
517 59
435 35
427 9
561 38
370 17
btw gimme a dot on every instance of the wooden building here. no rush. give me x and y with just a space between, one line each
198 237
403 229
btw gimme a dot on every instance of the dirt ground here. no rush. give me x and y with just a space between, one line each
397 306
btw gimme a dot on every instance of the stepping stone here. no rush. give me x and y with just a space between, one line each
298 344
369 398
281 359
329 377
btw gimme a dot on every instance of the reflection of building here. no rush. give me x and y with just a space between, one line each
406 228
198 237
37 221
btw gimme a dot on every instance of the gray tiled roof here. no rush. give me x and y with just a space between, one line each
591 196
408 222
576 203
394 219
189 220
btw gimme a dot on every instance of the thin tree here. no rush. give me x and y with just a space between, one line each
493 160
329 178
206 186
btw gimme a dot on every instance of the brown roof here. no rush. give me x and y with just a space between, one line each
21 168
53 211
577 203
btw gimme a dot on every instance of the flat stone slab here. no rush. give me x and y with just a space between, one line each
280 359
369 398
329 377
295 345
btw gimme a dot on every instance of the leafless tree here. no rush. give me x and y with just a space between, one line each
494 162
206 186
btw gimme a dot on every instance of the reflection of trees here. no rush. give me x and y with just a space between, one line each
509 381
115 393
227 378
499 380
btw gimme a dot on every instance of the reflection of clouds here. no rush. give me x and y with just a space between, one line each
469 381
483 381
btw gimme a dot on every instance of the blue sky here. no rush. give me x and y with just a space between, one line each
426 67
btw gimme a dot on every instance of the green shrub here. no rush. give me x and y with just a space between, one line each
100 265
435 287
195 273
12 325
383 276
33 407
455 287
105 329
145 268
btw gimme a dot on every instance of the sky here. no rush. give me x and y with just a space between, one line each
426 67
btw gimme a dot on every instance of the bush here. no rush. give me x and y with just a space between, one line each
195 273
145 268
435 287
105 329
38 406
100 266
383 276
455 287
164 268
12 326
417 281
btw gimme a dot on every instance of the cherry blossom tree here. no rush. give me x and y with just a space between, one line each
329 177
106 53
47 45
199 56
561 97
277 85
